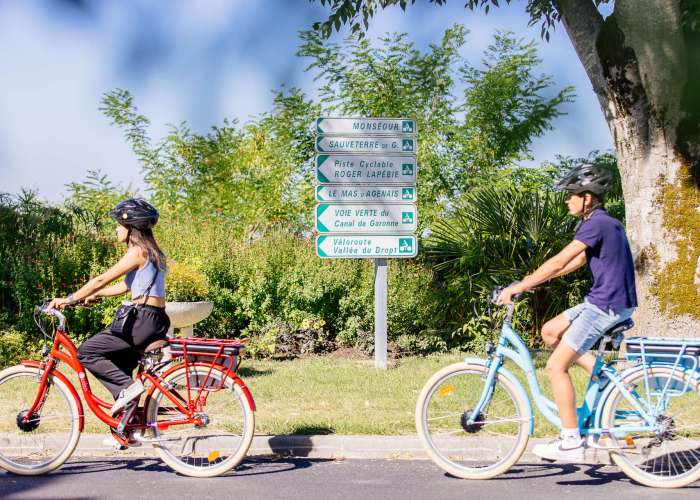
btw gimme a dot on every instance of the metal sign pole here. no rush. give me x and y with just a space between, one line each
381 296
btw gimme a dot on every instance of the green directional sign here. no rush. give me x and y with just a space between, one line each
360 193
366 246
365 169
365 126
365 218
366 144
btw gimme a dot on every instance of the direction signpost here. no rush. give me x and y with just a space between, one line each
365 144
366 218
366 175
366 246
365 169
393 194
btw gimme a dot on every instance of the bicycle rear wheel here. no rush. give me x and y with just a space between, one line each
227 423
485 448
669 458
46 440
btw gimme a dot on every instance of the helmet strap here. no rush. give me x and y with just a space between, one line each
128 235
587 211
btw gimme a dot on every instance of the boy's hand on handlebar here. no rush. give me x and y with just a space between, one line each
506 296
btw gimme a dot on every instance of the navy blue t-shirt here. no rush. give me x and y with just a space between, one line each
610 260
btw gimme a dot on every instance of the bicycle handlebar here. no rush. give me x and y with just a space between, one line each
52 312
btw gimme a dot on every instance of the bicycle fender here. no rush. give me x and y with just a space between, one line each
81 415
516 383
244 388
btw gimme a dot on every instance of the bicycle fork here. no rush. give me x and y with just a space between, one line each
489 384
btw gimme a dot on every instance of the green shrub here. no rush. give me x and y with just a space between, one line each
185 283
15 346
276 291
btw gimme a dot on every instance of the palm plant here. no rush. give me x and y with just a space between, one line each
497 235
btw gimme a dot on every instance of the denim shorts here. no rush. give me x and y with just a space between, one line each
589 323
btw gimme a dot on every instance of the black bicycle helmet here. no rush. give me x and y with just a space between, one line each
587 178
135 212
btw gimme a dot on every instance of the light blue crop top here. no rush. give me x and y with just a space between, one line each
139 279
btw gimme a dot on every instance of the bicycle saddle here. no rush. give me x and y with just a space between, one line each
154 346
619 328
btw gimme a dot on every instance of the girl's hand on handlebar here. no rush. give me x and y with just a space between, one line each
91 299
58 303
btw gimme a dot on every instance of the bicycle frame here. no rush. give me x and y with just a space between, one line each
511 346
64 350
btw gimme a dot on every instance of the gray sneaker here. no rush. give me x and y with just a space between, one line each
129 394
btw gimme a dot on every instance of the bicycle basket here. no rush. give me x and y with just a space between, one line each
224 352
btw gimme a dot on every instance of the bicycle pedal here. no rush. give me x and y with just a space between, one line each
609 443
128 413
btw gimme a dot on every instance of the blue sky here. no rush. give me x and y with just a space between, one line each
201 61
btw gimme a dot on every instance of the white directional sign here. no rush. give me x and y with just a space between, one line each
365 144
365 169
367 246
375 126
359 193
366 218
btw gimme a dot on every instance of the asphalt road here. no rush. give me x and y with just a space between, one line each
299 478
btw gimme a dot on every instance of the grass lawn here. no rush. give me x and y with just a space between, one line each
343 396
321 395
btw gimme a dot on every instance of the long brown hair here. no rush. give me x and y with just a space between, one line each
144 239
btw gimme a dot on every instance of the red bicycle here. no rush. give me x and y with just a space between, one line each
197 412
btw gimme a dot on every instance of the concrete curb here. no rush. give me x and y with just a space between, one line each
314 446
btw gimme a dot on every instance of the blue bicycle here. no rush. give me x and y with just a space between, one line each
474 418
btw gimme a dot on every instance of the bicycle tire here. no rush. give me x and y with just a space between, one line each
194 466
42 448
518 424
681 451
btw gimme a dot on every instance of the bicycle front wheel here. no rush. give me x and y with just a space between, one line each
226 422
45 441
670 456
480 450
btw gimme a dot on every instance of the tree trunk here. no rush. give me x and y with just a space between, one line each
643 64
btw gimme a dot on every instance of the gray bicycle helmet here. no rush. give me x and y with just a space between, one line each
135 212
586 178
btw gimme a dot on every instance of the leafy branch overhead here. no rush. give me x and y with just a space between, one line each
357 13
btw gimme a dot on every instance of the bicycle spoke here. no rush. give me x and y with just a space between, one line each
458 446
672 452
217 436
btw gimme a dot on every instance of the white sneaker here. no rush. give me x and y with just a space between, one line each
111 442
129 394
564 450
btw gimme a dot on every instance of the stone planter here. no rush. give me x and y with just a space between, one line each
183 315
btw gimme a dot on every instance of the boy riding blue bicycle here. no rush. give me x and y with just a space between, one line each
601 242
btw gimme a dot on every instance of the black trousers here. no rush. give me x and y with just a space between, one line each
111 358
